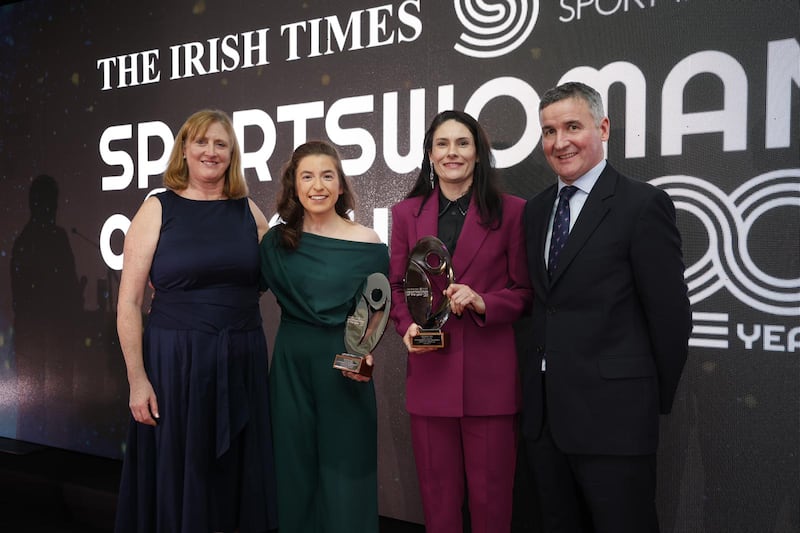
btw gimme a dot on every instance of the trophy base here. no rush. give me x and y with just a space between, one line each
356 364
429 338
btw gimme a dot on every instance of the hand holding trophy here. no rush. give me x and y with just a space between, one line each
365 325
428 273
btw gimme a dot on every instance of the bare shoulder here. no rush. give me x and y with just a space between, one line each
359 233
149 213
261 220
141 238
254 207
152 202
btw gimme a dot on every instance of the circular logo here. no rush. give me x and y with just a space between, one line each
493 29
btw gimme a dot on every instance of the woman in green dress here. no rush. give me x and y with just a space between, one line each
324 424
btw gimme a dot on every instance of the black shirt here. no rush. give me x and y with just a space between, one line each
451 218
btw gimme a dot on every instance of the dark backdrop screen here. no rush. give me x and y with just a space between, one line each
704 101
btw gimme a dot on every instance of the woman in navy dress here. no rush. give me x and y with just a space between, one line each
199 452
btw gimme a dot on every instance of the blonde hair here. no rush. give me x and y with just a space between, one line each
176 177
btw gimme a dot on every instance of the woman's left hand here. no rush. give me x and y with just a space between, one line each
369 361
463 297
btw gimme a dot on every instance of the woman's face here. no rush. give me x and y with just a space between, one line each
318 183
453 154
209 155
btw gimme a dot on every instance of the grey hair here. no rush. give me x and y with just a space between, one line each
575 89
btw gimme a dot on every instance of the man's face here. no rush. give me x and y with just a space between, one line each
571 141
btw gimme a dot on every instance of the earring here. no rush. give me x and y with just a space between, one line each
431 176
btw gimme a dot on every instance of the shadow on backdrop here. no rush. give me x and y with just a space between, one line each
68 363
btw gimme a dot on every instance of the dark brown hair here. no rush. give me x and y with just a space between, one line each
288 205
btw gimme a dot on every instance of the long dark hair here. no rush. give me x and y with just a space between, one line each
484 178
288 205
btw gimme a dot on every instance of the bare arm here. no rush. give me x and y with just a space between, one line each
261 220
140 245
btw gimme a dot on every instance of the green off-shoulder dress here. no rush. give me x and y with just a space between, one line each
324 424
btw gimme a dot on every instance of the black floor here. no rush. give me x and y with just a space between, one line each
47 490
55 491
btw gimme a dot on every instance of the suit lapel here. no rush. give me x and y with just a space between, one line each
428 219
593 212
470 241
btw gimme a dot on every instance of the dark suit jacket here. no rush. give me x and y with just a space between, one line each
614 321
476 374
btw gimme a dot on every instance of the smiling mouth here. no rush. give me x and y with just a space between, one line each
318 197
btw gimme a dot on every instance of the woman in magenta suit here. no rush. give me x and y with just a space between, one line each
463 399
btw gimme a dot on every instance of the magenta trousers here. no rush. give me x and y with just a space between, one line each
481 449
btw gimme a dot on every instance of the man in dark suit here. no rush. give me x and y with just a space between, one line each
611 323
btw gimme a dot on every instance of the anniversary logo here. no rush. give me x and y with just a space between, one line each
704 102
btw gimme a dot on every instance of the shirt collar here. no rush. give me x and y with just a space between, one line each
462 202
586 182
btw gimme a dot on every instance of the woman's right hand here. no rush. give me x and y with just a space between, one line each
413 331
143 404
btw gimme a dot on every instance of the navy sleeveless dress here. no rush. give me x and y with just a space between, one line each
208 465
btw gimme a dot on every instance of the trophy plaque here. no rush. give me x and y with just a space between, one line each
365 324
428 273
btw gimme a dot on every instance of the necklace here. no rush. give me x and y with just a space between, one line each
458 205
457 202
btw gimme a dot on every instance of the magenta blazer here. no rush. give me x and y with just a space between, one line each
476 373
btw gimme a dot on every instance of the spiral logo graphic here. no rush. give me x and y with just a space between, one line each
494 28
728 220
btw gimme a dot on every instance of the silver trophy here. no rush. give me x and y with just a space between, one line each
365 324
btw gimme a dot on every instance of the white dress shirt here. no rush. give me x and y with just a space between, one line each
584 184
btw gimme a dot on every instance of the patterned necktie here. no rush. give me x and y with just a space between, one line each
560 227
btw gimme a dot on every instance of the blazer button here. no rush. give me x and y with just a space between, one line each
539 349
551 310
